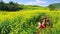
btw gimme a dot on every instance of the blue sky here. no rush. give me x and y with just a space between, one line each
34 2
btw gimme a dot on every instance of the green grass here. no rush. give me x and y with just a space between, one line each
25 21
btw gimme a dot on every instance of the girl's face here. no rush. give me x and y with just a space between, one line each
44 20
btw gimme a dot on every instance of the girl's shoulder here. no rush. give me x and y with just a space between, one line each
39 23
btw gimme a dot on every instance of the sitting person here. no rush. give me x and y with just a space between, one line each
43 24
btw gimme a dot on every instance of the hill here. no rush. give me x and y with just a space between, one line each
54 6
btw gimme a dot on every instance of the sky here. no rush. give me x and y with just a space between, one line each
34 2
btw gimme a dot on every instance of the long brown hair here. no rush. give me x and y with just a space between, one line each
47 19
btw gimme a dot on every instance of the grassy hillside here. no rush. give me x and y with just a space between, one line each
33 7
25 21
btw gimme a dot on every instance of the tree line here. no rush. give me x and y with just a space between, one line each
11 6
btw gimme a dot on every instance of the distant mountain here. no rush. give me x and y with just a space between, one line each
54 6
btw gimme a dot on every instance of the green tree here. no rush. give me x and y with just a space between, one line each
11 6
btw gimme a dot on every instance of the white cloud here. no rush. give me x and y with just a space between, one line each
31 3
37 2
40 1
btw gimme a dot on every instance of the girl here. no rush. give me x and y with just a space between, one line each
47 21
43 24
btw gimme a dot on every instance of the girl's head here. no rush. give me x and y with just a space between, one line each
47 18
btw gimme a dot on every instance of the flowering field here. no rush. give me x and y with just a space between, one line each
25 22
